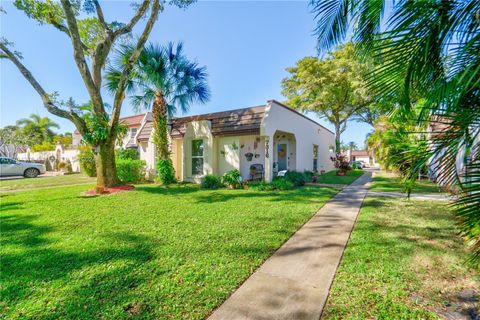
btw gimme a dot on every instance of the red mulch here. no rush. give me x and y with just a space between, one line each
106 191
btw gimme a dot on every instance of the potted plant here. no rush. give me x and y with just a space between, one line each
341 163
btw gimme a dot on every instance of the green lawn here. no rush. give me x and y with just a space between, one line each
404 260
331 177
150 253
389 182
42 182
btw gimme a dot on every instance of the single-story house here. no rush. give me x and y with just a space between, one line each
362 155
273 137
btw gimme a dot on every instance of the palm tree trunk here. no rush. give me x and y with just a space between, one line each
159 112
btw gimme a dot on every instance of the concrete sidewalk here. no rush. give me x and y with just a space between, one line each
414 196
294 282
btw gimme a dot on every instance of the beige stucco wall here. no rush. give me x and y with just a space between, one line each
247 144
198 130
228 155
306 132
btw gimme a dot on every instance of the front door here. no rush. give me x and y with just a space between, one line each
282 156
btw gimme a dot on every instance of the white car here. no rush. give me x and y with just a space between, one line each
11 167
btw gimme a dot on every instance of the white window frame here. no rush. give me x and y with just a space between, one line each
197 157
132 135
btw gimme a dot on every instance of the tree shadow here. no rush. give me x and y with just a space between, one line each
86 280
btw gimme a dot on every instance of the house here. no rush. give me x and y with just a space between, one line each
272 136
361 155
133 123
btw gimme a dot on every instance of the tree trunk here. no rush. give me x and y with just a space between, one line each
337 138
159 113
106 169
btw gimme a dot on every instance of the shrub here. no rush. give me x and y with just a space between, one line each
48 165
309 175
127 154
87 162
260 186
211 182
282 184
129 170
61 166
232 178
68 166
341 162
166 172
296 178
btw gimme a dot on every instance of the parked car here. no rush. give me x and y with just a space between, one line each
12 167
357 164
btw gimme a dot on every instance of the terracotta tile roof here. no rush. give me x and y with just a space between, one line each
145 132
232 122
360 153
134 120
131 121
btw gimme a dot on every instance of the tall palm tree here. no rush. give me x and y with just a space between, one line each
39 128
164 81
430 47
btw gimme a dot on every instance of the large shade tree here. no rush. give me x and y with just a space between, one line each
334 88
92 38
164 81
430 47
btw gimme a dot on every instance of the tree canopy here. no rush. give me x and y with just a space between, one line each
92 38
429 48
334 88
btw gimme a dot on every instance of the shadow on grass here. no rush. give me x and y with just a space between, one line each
86 281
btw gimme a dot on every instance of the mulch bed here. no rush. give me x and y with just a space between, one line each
107 191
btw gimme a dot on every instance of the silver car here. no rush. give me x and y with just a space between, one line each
11 167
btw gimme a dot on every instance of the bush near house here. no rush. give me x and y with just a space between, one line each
125 154
130 171
166 172
296 178
232 178
211 182
87 161
282 184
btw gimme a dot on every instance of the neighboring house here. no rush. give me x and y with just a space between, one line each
361 155
273 136
133 123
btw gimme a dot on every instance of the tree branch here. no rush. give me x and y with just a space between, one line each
80 60
101 17
129 26
120 93
47 102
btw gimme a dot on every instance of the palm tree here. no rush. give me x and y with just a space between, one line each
429 47
164 81
40 129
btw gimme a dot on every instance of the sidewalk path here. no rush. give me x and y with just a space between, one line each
294 282
416 196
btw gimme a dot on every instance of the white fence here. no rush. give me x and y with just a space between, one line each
59 154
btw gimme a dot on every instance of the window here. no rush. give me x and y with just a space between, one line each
133 132
7 161
315 157
197 157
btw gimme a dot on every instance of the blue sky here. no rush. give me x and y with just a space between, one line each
245 46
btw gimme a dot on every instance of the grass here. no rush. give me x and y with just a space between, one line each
42 182
151 253
389 182
404 261
332 178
